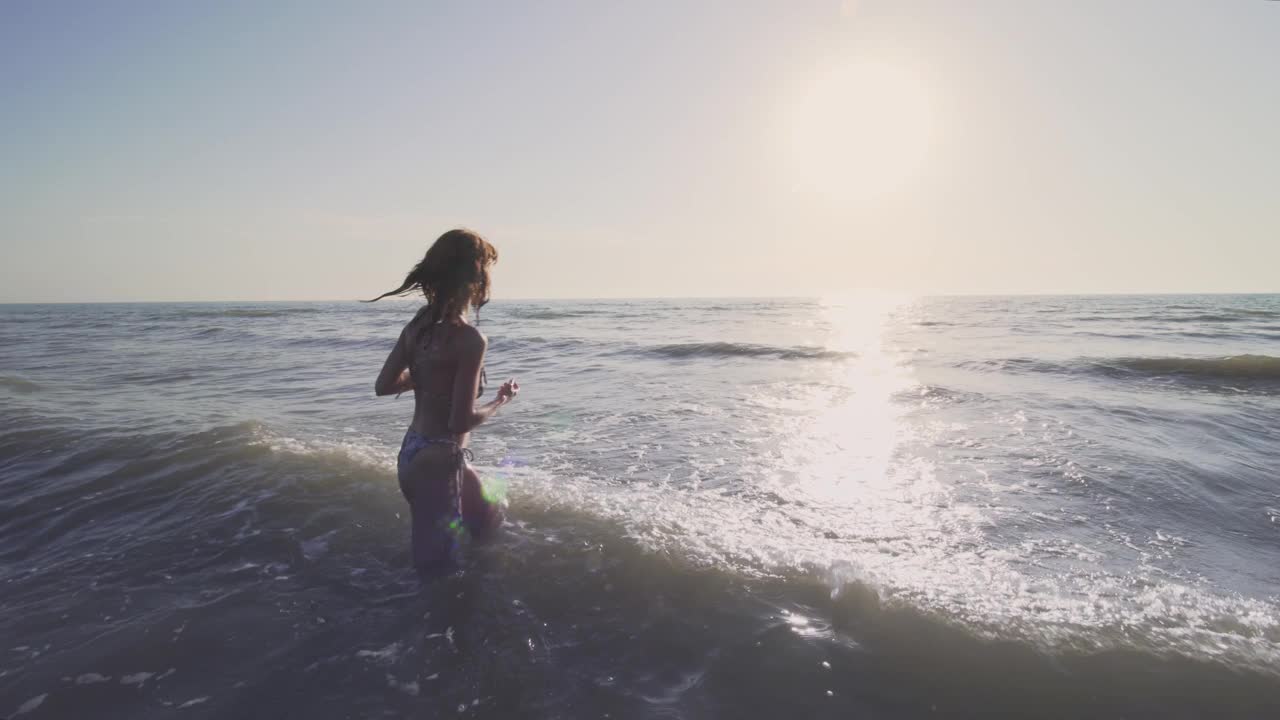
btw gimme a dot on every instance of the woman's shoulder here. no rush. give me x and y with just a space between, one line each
420 316
418 319
471 335
461 334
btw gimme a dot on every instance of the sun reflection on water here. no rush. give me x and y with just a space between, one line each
845 450
848 467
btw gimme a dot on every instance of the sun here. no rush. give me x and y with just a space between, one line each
857 131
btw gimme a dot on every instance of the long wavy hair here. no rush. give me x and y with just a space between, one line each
453 276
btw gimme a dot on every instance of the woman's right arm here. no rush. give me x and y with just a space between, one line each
465 415
394 377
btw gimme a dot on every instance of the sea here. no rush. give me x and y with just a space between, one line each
865 506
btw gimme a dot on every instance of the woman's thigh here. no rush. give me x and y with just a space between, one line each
481 514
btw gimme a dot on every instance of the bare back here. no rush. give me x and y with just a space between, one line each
435 356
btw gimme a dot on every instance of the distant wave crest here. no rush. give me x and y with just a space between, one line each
1244 369
247 312
1220 316
732 349
535 313
1237 367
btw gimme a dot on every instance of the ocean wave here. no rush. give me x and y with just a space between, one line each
748 350
151 377
338 342
534 313
127 480
1221 316
322 511
761 538
16 317
1237 367
535 344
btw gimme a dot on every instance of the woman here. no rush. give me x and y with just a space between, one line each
440 356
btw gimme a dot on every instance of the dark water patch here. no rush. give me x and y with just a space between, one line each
1013 365
1108 318
1111 336
1234 333
748 308
264 313
81 324
109 493
16 384
153 377
744 350
598 311
338 342
540 347
1199 317
22 318
229 336
1199 335
872 635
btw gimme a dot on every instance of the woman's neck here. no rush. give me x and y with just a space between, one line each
455 319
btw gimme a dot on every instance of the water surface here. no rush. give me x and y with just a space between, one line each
896 508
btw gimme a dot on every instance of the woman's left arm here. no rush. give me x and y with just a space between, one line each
394 378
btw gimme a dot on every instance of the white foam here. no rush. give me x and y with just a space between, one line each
91 679
362 453
31 704
409 688
385 655
136 678
907 539
316 546
890 527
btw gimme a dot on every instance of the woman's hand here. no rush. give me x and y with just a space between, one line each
508 391
404 383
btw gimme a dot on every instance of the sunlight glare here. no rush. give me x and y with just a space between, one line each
846 450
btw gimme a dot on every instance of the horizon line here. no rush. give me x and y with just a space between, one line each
587 298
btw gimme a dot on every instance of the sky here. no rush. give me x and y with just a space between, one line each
312 150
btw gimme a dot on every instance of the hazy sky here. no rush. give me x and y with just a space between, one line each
273 150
